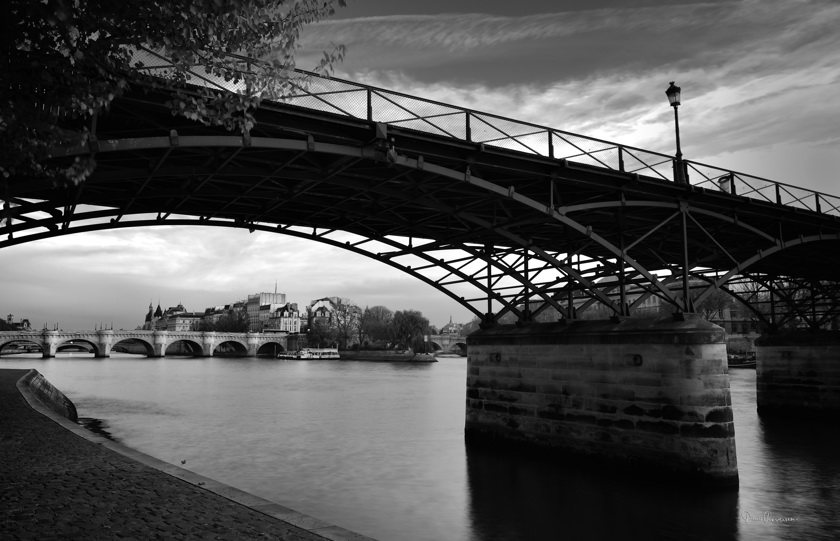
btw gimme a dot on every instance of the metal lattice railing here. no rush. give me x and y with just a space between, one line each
346 98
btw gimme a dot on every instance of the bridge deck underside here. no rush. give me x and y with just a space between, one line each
560 225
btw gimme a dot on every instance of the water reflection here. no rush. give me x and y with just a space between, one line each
517 499
378 448
789 470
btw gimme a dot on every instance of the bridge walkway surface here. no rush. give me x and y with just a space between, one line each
61 481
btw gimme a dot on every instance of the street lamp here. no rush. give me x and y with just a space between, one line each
673 94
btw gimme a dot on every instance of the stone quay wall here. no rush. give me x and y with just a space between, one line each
798 373
650 394
49 395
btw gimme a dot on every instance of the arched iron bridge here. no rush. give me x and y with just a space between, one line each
503 216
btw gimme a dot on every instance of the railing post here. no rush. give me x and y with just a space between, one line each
369 104
550 144
468 129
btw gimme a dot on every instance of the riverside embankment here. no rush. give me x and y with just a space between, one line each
60 481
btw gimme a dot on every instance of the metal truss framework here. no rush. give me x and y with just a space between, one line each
500 230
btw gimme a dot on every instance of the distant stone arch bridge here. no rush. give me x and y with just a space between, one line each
155 343
452 343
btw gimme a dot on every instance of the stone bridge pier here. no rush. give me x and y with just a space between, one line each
106 339
640 394
159 343
50 343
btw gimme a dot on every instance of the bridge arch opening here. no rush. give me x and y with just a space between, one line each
270 349
230 348
135 346
186 348
78 346
19 347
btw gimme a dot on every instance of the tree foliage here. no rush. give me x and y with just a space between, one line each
320 333
345 321
375 326
713 306
66 61
233 321
409 326
472 326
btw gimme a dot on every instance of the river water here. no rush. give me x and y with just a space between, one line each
378 448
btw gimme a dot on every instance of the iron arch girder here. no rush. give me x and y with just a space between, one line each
273 229
762 254
585 231
776 319
776 243
664 204
373 154
114 213
788 308
370 153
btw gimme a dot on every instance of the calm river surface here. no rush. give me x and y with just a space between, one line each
378 448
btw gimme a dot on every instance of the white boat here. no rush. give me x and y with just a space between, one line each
311 353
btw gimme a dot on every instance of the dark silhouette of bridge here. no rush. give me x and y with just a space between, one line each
505 217
512 220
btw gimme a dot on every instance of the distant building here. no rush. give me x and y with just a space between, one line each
22 325
175 318
451 328
322 310
284 319
266 312
260 306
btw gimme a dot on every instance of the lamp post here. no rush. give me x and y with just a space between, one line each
673 94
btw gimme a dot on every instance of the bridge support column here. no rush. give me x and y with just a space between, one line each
159 343
50 346
252 342
106 337
798 373
208 343
636 393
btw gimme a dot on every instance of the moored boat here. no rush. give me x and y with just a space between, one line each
741 360
310 354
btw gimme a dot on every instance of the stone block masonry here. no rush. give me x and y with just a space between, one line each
798 373
635 393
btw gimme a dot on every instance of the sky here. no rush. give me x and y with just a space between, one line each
760 95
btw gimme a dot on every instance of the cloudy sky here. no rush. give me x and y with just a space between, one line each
761 95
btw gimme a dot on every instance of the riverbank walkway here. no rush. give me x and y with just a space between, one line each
61 481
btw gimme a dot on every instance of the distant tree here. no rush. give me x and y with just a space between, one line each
471 327
375 325
64 62
713 306
409 327
232 321
345 321
320 333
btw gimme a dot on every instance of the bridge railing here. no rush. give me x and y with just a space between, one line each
350 99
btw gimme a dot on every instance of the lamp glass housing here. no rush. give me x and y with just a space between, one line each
673 94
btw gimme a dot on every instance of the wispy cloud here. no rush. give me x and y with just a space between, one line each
755 74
